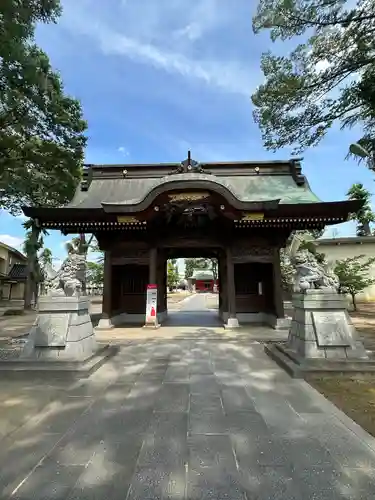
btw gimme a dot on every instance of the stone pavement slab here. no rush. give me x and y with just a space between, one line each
190 419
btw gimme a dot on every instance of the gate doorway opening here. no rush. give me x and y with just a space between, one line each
193 288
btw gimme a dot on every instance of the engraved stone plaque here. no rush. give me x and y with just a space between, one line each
52 330
331 329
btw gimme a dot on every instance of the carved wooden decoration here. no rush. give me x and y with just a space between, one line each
174 197
253 254
125 219
252 216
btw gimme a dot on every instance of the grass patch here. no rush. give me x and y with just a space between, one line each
355 396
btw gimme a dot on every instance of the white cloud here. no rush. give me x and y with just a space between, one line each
123 151
228 76
12 241
192 31
162 34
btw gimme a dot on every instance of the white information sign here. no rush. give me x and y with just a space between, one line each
151 305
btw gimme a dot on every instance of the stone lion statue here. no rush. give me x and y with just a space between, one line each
310 274
68 280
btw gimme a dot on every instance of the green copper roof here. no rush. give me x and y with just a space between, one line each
244 187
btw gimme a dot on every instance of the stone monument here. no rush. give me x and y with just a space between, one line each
321 326
62 330
321 336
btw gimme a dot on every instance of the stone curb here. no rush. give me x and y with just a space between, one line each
332 409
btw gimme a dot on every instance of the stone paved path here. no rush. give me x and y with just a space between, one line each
192 419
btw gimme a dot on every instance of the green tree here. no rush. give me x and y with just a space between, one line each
287 272
202 263
95 273
190 267
94 247
313 87
353 274
33 243
45 258
367 96
214 267
365 215
45 261
41 128
172 273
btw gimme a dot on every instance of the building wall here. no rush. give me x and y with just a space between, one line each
3 260
205 285
18 291
7 259
343 248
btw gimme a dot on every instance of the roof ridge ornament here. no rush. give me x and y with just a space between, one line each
296 171
189 166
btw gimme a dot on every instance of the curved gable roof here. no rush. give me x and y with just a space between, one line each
246 189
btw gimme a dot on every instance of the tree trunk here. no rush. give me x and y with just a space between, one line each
31 269
36 294
354 302
214 269
28 295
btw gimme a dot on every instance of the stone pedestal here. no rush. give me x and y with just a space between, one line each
105 324
321 327
62 331
322 338
231 324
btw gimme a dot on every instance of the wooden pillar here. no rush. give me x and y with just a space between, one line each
161 283
277 285
105 321
223 284
153 280
231 291
160 280
165 286
153 265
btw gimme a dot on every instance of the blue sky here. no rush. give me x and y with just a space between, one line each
157 78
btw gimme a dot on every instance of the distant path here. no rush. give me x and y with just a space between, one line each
194 311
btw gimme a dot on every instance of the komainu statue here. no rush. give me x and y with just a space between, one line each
310 274
68 280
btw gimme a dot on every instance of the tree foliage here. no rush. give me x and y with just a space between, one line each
190 267
33 244
45 257
201 263
365 215
41 128
172 273
353 274
287 272
95 274
327 78
94 247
